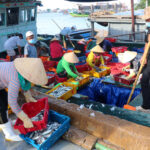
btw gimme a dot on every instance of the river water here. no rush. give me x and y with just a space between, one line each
45 25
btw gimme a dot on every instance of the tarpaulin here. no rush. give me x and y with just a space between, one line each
138 50
107 93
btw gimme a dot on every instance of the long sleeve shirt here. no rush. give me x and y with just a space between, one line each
9 79
92 61
63 65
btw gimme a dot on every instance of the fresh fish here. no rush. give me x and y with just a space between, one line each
123 76
101 70
60 91
80 78
38 117
40 136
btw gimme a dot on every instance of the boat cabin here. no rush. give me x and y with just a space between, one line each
17 16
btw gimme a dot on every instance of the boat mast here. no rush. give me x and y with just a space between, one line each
133 22
92 22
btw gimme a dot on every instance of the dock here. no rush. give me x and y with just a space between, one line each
120 26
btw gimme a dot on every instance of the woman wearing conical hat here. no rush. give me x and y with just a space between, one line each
95 58
56 50
14 75
66 66
80 48
102 42
126 57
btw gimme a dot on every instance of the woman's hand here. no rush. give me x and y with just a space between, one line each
29 97
26 120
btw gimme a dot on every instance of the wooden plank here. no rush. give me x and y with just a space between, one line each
125 134
80 138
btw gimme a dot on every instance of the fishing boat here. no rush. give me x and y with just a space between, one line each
79 15
112 126
17 17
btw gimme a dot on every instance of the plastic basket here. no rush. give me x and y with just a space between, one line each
90 73
44 58
60 80
49 64
102 73
55 117
107 57
9 110
51 78
3 60
120 49
66 95
112 40
83 81
82 59
84 67
80 63
32 109
117 78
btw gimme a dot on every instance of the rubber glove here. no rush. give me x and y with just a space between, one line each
26 120
29 97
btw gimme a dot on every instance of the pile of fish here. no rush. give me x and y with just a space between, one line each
80 78
60 91
38 117
123 76
40 136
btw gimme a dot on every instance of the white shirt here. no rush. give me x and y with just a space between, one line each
12 43
66 31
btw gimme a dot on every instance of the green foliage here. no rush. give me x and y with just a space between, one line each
142 4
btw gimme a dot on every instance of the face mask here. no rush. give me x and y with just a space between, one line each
32 41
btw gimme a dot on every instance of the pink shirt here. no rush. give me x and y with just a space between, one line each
9 79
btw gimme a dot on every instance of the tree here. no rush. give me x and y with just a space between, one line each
142 4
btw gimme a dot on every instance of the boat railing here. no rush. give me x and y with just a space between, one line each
134 36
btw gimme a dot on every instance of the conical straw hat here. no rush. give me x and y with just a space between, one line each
99 40
31 69
127 56
71 57
97 49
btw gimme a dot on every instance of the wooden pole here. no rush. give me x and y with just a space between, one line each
92 23
132 14
56 24
146 3
139 72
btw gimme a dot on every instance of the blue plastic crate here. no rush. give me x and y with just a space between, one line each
82 63
53 116
82 59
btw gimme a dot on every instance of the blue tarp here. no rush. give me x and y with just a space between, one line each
108 93
138 50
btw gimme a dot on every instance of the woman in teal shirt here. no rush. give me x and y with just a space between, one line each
66 66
